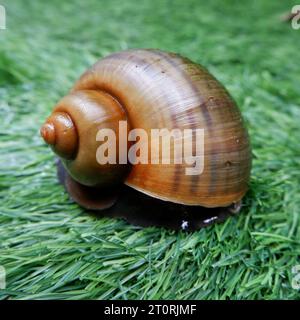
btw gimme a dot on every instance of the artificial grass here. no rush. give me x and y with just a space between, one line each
53 249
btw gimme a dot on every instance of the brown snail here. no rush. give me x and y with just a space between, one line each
150 89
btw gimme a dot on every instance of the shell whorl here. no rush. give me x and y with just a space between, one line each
60 133
88 111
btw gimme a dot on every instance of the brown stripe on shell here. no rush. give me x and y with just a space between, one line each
203 106
214 151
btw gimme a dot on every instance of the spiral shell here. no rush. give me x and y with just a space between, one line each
155 89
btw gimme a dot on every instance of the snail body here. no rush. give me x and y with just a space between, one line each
151 89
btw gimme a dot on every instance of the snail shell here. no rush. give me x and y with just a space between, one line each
152 89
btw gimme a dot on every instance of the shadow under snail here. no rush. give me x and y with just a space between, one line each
151 89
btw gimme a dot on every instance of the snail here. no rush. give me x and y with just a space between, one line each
150 89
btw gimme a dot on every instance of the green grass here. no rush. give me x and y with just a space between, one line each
51 248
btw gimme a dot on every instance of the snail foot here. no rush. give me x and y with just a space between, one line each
91 198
